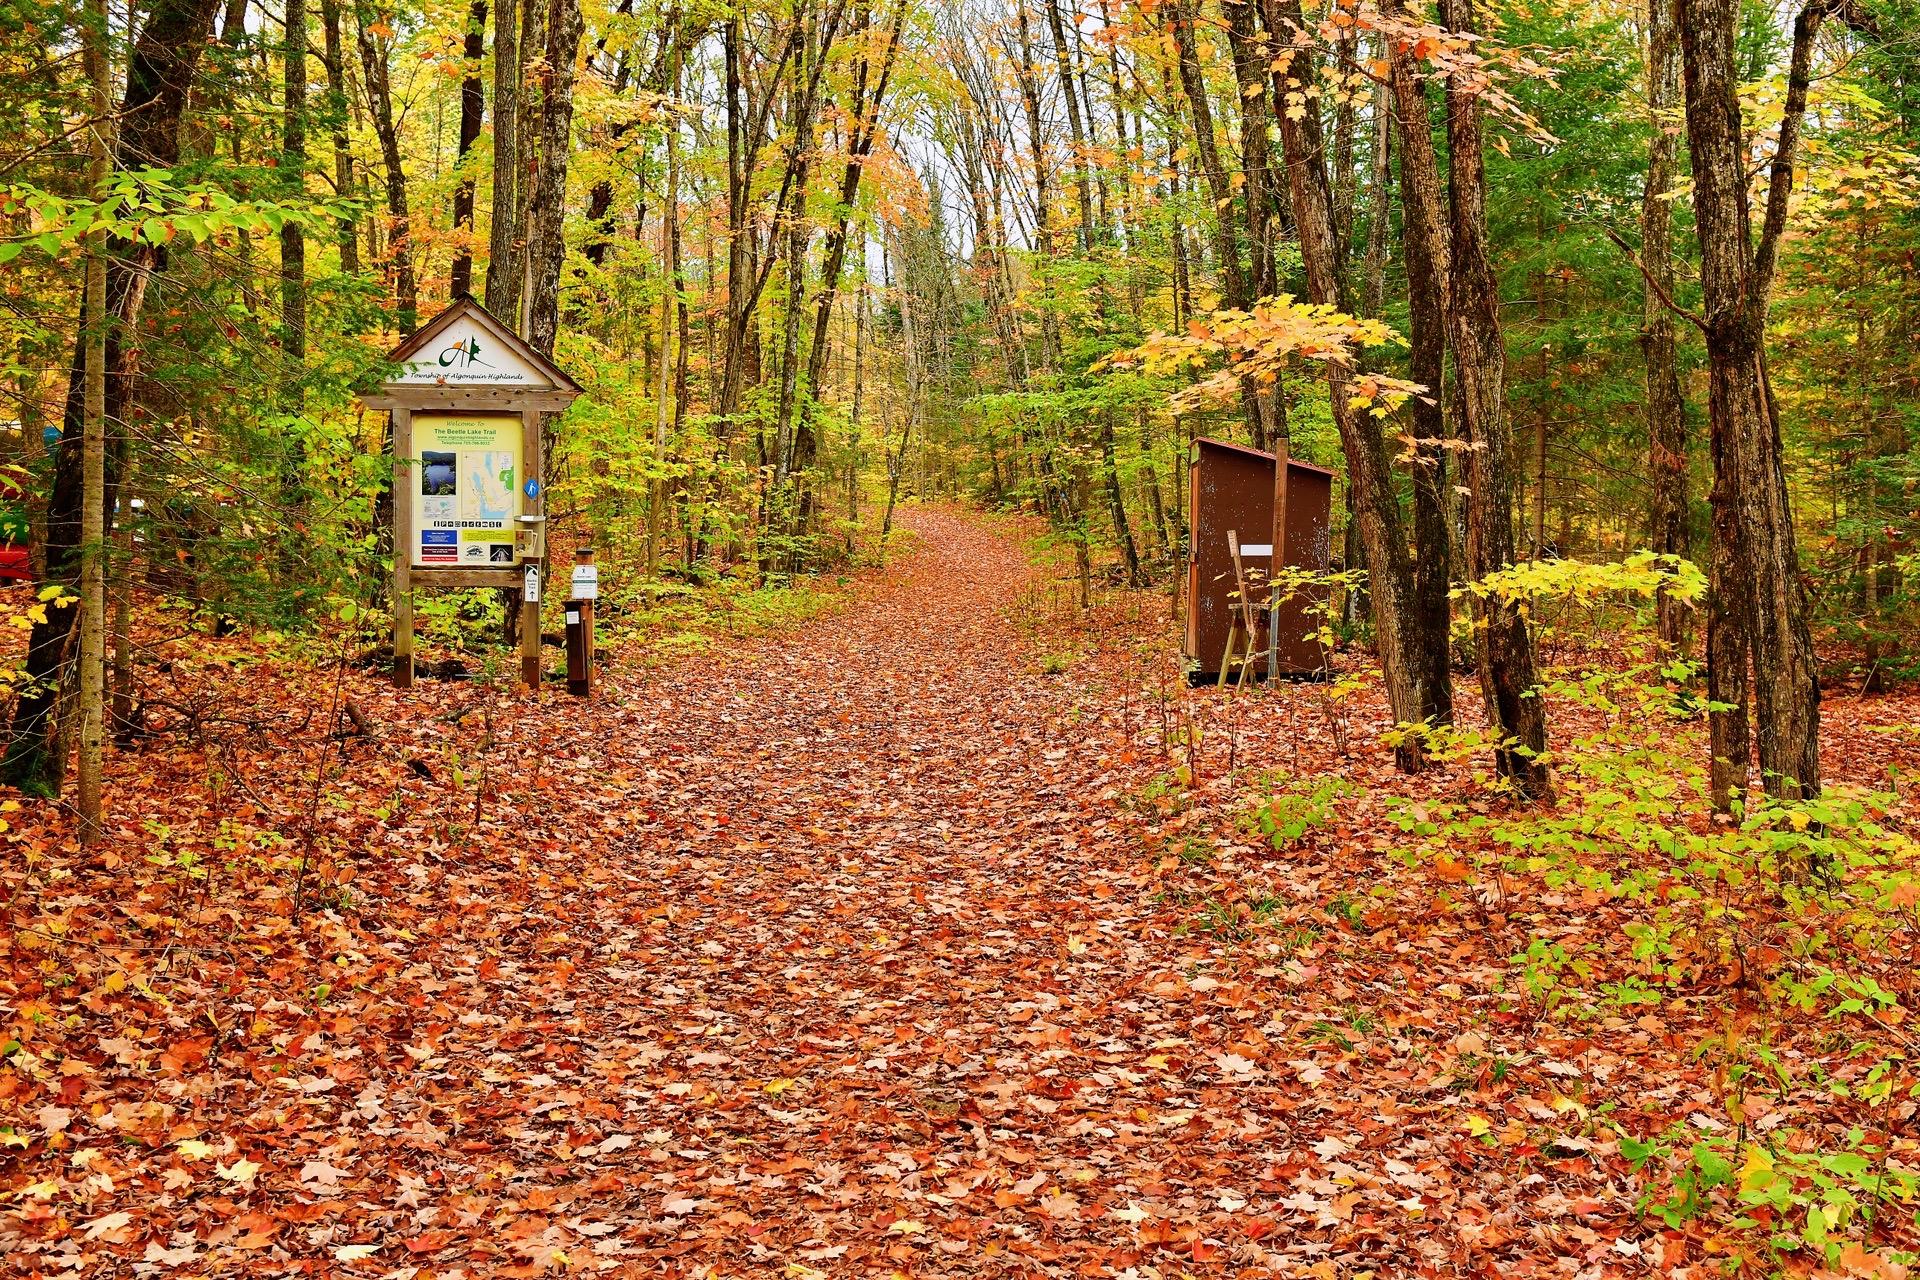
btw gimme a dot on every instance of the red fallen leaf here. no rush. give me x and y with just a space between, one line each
1258 1228
1205 1251
431 1242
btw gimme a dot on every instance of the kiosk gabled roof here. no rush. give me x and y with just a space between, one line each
465 308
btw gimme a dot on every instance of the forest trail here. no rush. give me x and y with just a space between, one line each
889 980
861 949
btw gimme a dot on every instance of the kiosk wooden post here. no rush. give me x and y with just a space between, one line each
470 512
535 504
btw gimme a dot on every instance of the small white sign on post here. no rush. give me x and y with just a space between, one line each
586 582
531 592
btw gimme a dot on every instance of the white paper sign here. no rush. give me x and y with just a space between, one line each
586 582
532 589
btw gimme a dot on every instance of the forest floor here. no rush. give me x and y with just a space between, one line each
866 948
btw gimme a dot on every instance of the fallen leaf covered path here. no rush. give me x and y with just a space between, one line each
861 949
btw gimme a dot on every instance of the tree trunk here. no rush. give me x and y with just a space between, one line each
1239 293
337 111
1122 531
1666 408
160 72
93 512
798 236
548 246
374 52
1076 128
293 172
472 107
1250 71
1505 652
503 233
1753 517
1395 612
863 128
1425 247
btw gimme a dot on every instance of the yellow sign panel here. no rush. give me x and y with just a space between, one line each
466 490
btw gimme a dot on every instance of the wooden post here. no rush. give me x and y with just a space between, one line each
403 538
534 504
1276 562
580 682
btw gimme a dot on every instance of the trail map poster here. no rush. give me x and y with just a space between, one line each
466 490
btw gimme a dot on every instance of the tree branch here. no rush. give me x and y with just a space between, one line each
1780 185
1693 318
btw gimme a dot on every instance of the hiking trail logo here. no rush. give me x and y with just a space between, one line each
462 354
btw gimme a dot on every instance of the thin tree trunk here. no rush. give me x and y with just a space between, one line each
348 236
1373 289
1122 531
293 169
1666 408
1395 612
374 52
1076 129
863 128
798 235
472 107
1753 519
1250 71
93 511
122 712
1505 652
1425 248
1226 250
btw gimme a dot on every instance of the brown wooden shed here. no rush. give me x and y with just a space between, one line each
1231 487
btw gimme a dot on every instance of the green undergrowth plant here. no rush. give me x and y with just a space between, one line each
1809 909
1287 810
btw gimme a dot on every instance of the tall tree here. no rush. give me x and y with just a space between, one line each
339 115
376 52
472 108
1076 127
1666 408
1504 652
1390 571
1756 585
503 235
93 511
1424 238
547 229
293 168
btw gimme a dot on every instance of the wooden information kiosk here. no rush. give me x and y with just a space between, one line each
469 489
